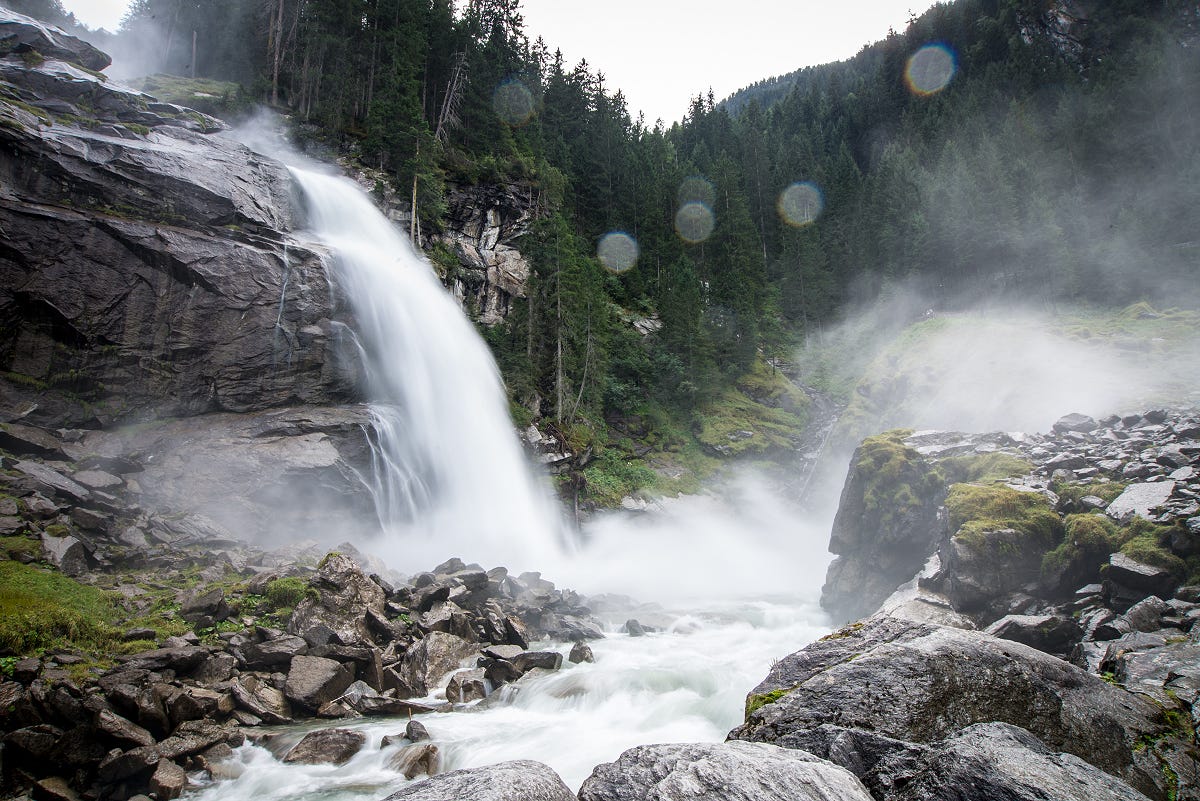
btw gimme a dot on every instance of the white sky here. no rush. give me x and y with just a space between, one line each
662 53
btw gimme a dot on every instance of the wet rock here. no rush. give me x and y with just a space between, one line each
581 652
990 761
314 681
521 780
210 604
731 771
530 660
1075 422
125 764
921 683
69 554
432 659
272 654
196 736
465 686
261 700
216 668
1140 500
327 747
169 781
417 759
29 440
182 659
416 731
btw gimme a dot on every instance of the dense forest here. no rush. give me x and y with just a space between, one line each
1004 149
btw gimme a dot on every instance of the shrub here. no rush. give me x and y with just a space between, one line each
288 592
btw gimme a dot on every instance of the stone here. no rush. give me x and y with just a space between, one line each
125 764
182 659
53 788
1140 500
417 759
921 683
205 603
69 554
19 34
327 747
98 480
261 700
122 730
465 686
433 658
1129 572
521 780
169 781
314 681
216 668
581 652
1075 422
989 761
1052 634
345 594
730 771
195 736
276 653
634 628
26 440
530 660
416 731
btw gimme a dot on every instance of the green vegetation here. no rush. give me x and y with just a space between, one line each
286 593
21 549
41 609
974 511
219 98
984 468
611 478
898 480
757 702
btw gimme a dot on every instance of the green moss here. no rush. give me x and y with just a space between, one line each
140 130
610 478
1072 491
976 510
20 548
1088 541
756 702
1148 549
287 592
733 424
41 609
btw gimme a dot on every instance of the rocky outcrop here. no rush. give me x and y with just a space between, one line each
886 525
889 697
148 269
732 771
482 226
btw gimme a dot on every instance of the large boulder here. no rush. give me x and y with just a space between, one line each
886 525
732 771
20 34
522 780
344 596
434 657
921 683
314 681
327 747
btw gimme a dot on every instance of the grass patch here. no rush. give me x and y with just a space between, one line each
287 592
610 478
41 609
22 549
984 468
733 424
897 480
1105 490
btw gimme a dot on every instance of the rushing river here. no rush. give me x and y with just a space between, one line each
735 578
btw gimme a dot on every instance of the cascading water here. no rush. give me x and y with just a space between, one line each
449 475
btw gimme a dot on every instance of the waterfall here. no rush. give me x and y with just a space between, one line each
449 477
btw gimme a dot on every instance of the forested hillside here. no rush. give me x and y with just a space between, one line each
1043 151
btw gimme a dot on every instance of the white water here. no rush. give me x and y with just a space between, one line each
738 574
450 478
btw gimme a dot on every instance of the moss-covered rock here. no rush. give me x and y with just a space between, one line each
886 525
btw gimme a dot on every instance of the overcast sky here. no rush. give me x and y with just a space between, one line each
662 53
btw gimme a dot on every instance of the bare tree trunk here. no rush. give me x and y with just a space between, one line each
412 226
193 54
276 39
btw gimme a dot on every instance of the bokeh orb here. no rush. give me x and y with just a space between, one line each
930 69
695 189
800 204
513 102
617 251
694 222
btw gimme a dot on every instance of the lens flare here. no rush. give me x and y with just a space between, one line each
513 102
800 204
617 251
930 69
694 222
695 189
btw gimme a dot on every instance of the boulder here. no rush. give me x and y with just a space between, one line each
261 700
989 761
169 781
314 681
25 440
529 660
581 652
196 736
1053 634
53 788
182 659
345 594
731 771
521 780
273 654
1075 422
415 731
327 747
417 759
465 686
886 525
1143 578
21 34
1140 500
122 730
922 683
433 658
